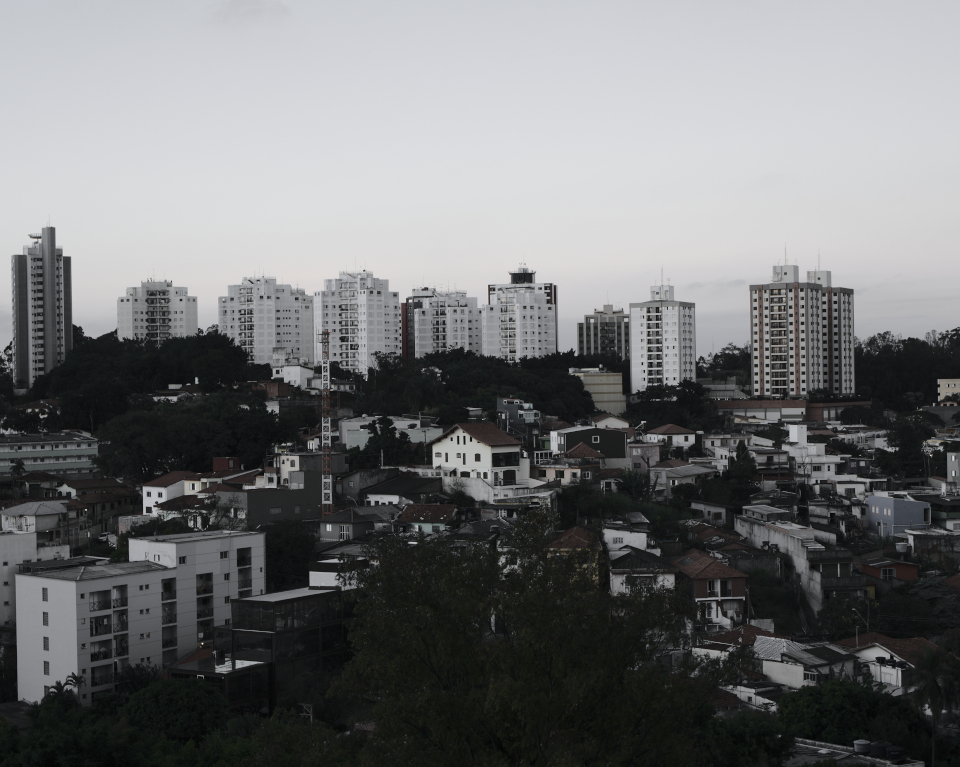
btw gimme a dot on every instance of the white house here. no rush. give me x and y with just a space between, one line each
672 436
482 451
171 485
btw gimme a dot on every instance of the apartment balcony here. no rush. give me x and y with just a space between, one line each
168 595
167 643
97 680
206 612
246 561
120 625
101 655
99 604
122 649
100 629
244 583
168 618
120 602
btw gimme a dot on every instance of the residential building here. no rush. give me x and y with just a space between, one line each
268 319
802 335
663 340
888 514
579 465
17 548
606 331
482 451
65 453
42 285
354 432
94 619
171 485
719 591
520 319
430 519
156 311
610 443
667 475
440 320
632 568
947 387
605 388
362 317
797 665
520 419
890 661
643 455
672 436
401 490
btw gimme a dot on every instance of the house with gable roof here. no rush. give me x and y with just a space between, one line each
891 661
672 436
719 591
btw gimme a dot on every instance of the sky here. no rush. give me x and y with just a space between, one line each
445 143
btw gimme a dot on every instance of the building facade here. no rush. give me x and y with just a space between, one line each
437 321
520 319
41 279
605 387
156 311
61 453
362 317
268 320
663 340
606 331
94 619
802 335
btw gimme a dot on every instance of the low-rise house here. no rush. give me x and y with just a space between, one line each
163 488
643 455
401 490
797 665
582 464
429 518
719 591
348 524
716 513
890 661
578 539
667 475
612 443
634 568
672 436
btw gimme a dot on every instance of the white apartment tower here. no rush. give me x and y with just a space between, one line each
802 335
520 319
362 317
41 279
268 320
94 619
436 321
156 311
663 340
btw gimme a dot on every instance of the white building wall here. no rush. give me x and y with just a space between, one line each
268 319
802 335
156 310
362 317
520 319
444 320
15 549
663 340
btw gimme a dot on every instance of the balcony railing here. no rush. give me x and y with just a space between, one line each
98 679
99 604
205 613
120 625
244 561
244 584
99 629
100 655
166 596
206 588
168 618
169 643
120 602
122 650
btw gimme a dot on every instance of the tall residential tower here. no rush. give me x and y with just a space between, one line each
663 340
156 311
42 308
437 320
521 318
606 331
268 320
802 335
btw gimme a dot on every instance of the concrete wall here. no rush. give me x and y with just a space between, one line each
16 548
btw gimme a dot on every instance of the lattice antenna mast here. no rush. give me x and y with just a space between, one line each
326 435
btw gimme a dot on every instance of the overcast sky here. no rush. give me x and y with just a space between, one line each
446 142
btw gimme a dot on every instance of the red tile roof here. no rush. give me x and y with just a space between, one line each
697 565
743 635
670 428
909 649
488 434
428 513
575 538
583 450
171 479
672 463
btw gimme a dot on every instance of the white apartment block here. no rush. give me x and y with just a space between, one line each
362 317
65 453
520 319
437 321
802 335
663 340
156 311
41 281
268 320
16 549
92 620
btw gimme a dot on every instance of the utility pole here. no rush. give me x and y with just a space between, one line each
326 436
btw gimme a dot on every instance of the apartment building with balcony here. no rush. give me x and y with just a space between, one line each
606 331
663 340
42 286
268 320
802 335
65 453
156 311
362 318
439 320
74 617
520 319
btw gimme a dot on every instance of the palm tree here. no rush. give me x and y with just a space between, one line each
937 680
18 469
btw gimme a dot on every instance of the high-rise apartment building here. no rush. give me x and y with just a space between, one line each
437 320
156 311
268 320
362 317
93 619
606 331
663 340
520 319
802 335
42 308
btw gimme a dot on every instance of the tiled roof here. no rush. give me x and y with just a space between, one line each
428 513
696 564
575 538
909 649
743 635
488 434
672 463
170 479
182 502
670 428
37 508
583 450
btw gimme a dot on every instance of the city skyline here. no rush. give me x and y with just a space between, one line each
436 144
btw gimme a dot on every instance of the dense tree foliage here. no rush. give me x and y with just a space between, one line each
289 550
447 383
141 444
386 446
731 360
686 404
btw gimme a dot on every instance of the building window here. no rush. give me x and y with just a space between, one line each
224 555
46 643
44 594
46 668
46 619
182 560
595 439
618 540
888 573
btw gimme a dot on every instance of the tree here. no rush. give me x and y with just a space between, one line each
937 680
17 467
178 709
749 737
469 661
